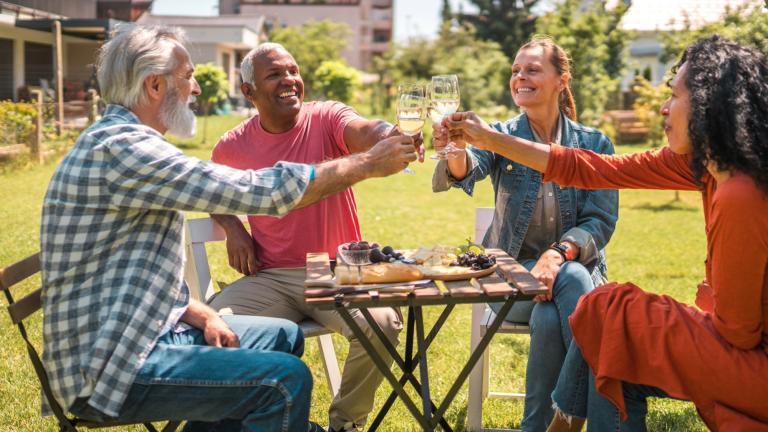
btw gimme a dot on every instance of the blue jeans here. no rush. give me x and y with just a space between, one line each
550 337
261 386
576 395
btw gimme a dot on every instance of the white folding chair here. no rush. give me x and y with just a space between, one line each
197 273
482 316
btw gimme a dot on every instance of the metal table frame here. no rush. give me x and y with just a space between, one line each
431 415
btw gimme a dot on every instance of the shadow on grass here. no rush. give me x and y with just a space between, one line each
671 205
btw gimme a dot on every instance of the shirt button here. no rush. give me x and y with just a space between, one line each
551 219
549 194
509 167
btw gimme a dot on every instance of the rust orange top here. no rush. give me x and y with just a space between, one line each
717 358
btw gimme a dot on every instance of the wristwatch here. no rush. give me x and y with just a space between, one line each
568 253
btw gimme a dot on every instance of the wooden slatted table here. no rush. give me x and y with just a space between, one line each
511 282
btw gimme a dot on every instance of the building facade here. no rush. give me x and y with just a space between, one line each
371 21
28 42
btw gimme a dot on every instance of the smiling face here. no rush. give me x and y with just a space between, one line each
535 82
277 89
676 111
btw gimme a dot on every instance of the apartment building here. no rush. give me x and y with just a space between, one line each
369 20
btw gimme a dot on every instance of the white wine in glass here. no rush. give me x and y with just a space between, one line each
411 110
444 98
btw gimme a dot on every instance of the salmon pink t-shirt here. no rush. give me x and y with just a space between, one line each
317 136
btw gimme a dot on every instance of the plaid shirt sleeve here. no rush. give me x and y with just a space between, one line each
152 174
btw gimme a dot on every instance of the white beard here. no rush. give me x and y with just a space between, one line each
176 115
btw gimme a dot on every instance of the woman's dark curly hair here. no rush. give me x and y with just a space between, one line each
728 122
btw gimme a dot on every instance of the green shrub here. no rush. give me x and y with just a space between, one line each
17 122
336 81
648 107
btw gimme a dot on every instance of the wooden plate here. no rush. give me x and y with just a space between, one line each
447 273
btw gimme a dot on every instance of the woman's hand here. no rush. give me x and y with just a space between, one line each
546 270
468 127
705 297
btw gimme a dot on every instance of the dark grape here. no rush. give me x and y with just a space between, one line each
387 250
375 245
376 256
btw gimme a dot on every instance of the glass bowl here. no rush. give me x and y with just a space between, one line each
353 257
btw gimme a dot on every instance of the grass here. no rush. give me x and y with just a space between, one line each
659 244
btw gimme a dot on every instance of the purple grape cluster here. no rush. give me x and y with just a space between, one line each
359 246
475 261
387 254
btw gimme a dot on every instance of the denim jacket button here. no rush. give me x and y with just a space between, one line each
509 167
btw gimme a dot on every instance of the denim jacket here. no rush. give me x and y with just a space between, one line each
516 189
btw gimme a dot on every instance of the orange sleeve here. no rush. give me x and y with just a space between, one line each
738 250
654 169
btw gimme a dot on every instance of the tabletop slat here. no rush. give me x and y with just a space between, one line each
517 275
494 285
428 292
462 288
319 266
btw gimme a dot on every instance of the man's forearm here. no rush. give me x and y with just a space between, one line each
228 222
334 176
198 314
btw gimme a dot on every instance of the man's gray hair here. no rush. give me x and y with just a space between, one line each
133 53
246 67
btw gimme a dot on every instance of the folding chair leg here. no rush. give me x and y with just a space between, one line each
172 426
478 374
330 363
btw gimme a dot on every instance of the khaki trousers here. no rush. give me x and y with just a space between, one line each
279 293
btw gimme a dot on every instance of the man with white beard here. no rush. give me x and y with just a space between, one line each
123 340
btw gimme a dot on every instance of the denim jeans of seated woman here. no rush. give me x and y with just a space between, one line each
550 338
576 396
261 386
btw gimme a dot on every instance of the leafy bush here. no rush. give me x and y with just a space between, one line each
311 44
648 106
597 46
213 85
336 81
17 122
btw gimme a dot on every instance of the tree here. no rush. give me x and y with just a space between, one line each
336 81
510 23
311 44
482 67
213 88
745 25
597 47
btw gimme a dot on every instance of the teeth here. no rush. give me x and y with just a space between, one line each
287 94
524 90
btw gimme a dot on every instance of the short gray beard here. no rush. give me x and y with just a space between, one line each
176 115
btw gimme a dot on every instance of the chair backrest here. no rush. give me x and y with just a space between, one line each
197 272
21 310
483 219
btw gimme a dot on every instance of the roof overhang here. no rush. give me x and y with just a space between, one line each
89 28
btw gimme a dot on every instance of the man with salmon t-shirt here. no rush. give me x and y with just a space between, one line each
273 256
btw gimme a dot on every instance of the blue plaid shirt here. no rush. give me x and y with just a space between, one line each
112 249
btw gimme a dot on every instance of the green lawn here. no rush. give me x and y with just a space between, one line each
659 244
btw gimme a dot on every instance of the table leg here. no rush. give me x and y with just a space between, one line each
473 358
382 365
411 362
426 400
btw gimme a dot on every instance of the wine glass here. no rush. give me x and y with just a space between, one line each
444 100
411 110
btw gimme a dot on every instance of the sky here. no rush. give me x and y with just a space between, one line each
413 18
